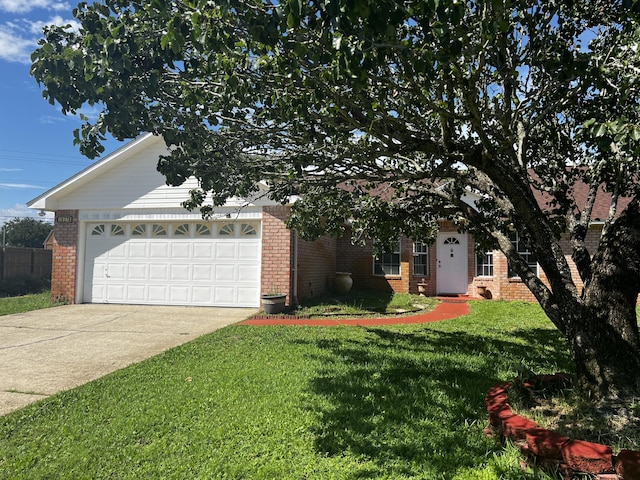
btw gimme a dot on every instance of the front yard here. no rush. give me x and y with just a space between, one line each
401 402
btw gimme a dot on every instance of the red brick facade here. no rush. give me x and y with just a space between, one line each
65 255
317 263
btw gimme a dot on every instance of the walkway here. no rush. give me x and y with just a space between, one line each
443 311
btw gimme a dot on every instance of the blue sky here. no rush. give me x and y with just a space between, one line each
36 140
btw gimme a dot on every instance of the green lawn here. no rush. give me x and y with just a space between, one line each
401 402
25 303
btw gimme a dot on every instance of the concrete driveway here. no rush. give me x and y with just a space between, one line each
46 351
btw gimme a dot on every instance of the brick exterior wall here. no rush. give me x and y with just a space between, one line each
65 257
316 266
319 260
358 260
277 251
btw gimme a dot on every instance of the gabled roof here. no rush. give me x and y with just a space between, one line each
48 200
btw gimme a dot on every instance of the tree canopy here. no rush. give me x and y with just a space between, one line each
385 113
26 232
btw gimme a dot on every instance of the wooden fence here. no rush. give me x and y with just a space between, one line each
25 262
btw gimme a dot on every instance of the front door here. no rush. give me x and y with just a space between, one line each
452 275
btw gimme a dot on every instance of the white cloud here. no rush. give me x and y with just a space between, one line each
23 6
10 169
14 47
20 210
20 37
51 119
19 185
35 27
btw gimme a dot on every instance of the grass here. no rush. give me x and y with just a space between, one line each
364 302
396 402
25 303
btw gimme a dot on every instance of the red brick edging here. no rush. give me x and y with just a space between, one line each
443 311
550 450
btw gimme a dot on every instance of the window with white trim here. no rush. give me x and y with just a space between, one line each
524 252
484 264
181 230
117 230
202 230
420 259
388 263
228 229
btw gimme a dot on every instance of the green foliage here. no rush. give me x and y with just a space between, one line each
403 106
402 402
11 287
26 232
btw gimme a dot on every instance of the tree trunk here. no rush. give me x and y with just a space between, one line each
603 338
603 335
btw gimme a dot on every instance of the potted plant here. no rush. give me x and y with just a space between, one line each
273 301
422 287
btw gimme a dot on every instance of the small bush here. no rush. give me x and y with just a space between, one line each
13 287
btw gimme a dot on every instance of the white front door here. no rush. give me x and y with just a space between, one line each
452 275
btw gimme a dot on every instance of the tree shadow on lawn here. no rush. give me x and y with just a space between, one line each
413 402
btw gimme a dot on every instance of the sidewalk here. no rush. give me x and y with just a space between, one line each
443 311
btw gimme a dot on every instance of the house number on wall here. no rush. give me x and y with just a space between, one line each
64 219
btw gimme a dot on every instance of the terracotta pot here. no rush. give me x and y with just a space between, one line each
343 282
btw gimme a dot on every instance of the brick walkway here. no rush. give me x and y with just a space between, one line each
443 311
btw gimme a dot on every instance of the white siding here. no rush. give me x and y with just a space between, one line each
133 183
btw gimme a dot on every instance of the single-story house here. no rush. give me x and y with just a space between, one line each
121 236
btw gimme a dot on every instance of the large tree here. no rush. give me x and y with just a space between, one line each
385 112
26 232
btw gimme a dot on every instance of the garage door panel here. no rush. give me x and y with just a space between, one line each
117 271
180 250
179 294
180 272
118 252
225 273
159 250
225 251
203 251
202 273
202 295
137 271
224 295
247 295
248 273
124 264
116 293
138 250
137 293
158 272
249 251
158 293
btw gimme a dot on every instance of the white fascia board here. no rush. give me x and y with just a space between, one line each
49 200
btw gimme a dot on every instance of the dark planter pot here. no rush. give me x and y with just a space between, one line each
273 303
343 282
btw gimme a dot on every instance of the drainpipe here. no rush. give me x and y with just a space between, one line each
294 295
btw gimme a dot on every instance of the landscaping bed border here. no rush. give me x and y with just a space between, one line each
549 450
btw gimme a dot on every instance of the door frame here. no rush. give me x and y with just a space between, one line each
461 275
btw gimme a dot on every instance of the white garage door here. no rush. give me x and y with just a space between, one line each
196 263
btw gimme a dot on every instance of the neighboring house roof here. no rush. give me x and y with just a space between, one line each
579 193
